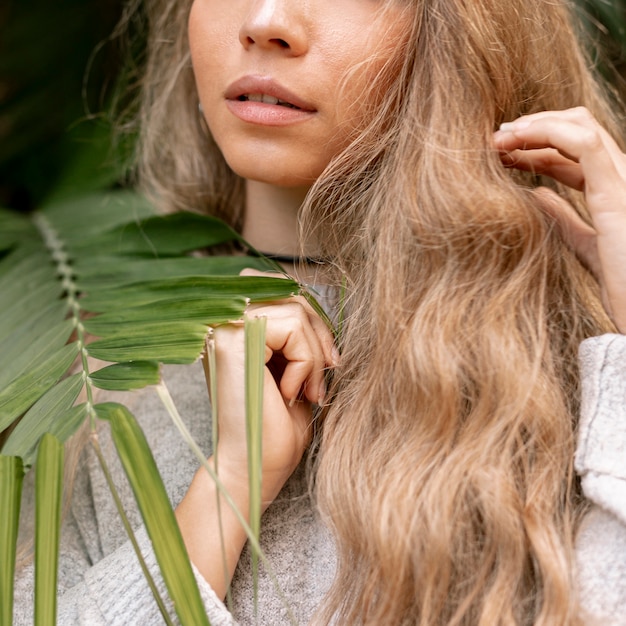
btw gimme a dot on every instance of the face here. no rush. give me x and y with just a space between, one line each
284 83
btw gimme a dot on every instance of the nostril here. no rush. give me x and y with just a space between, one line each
281 43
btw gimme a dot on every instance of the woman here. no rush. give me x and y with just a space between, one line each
362 133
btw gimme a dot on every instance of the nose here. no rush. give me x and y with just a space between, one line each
279 25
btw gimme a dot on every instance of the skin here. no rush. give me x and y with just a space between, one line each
306 46
571 147
321 39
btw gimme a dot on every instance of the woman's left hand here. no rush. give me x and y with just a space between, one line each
571 147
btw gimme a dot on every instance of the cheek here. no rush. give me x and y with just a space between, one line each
363 88
208 41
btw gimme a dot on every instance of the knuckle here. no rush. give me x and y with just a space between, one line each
583 113
297 310
592 138
292 325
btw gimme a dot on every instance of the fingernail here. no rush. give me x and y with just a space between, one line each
292 401
510 127
334 353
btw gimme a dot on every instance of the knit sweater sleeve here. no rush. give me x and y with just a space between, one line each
111 592
601 464
114 591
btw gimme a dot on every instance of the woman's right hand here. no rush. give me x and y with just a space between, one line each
298 348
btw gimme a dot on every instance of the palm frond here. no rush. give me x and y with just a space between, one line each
104 276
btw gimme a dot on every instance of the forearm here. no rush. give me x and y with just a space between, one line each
213 551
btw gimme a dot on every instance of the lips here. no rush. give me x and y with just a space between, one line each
265 90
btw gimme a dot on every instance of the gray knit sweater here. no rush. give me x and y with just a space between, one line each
101 582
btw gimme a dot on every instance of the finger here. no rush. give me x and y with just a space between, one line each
319 326
289 331
578 115
581 237
303 374
547 162
582 140
323 332
249 271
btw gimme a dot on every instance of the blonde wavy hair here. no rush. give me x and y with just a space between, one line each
445 462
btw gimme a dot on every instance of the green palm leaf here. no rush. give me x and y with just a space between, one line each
11 478
124 376
255 361
24 391
103 276
49 489
157 513
53 413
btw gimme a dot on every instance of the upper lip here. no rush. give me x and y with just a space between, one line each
268 86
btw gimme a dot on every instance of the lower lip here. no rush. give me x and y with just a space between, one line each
267 114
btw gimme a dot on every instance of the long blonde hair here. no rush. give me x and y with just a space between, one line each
445 462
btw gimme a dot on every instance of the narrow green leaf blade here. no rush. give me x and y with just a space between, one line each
160 236
127 376
95 272
157 513
254 376
27 276
22 392
27 306
208 310
52 413
254 288
11 479
48 500
20 357
173 342
18 339
65 426
90 215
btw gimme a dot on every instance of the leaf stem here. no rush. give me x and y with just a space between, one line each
210 368
61 258
129 530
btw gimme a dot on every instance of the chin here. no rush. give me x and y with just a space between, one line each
272 172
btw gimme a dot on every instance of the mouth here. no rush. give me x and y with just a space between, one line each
266 99
266 90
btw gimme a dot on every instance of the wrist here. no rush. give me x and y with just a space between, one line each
236 481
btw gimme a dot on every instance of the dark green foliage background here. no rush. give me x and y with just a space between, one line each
57 68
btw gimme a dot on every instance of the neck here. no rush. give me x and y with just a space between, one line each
271 219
